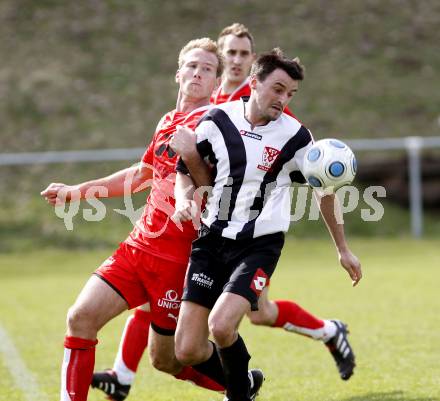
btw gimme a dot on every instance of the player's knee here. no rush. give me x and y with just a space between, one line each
222 332
189 353
74 318
165 363
80 322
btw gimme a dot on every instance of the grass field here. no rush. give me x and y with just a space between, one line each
393 317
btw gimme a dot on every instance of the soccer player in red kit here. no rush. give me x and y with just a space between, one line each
237 47
150 265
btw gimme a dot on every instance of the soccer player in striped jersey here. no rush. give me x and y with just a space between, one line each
238 49
150 265
257 152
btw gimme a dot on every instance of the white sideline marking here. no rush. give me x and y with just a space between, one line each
23 377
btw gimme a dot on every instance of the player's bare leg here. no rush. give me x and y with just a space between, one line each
192 345
95 306
224 321
163 358
226 317
292 317
116 382
161 352
267 312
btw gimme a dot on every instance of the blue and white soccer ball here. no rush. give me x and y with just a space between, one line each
329 163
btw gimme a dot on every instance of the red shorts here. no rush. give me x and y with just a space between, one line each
140 277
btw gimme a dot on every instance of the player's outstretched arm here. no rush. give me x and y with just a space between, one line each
331 212
132 179
184 144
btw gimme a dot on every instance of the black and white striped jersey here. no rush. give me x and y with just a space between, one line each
254 169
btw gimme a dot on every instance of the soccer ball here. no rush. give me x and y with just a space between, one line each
329 163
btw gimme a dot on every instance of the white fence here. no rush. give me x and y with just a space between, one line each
413 146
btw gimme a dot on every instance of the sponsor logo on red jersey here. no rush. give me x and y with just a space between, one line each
170 300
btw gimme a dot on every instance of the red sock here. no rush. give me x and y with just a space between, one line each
189 374
135 339
291 313
77 369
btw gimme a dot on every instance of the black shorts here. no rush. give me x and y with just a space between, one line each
219 264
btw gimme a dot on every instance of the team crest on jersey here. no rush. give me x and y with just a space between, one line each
268 158
259 281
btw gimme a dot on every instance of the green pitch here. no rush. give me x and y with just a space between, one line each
393 316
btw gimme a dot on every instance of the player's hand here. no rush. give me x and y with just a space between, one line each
185 211
183 142
351 263
58 193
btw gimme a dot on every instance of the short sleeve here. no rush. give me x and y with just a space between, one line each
148 156
203 144
305 142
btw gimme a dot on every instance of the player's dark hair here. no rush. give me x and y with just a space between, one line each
268 62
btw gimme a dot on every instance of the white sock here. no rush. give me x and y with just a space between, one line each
64 396
125 375
324 333
329 330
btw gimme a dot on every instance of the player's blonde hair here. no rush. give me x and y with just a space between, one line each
206 44
238 30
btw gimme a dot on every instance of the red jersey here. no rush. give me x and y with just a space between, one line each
155 232
218 97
